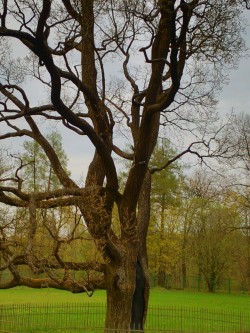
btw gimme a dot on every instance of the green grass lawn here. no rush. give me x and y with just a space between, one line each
47 295
177 310
163 297
158 296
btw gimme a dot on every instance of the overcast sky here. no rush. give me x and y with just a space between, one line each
235 95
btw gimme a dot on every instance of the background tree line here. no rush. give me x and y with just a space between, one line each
199 223
199 226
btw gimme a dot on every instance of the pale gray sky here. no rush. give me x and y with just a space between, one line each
235 95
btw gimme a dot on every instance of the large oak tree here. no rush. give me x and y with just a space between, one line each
170 57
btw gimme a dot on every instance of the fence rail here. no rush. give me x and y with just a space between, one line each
89 318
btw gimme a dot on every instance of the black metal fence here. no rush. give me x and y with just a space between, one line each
89 317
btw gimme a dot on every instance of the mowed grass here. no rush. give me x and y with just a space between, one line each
158 297
215 301
54 311
19 295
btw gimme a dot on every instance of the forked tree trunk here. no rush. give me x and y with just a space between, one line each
120 284
127 297
128 283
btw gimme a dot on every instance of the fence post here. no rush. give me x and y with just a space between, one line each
181 319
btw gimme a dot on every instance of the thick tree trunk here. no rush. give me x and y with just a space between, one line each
128 283
120 283
126 301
